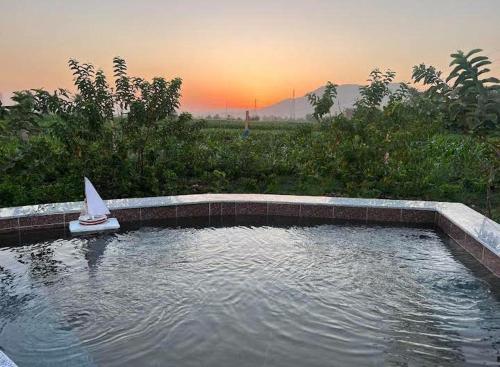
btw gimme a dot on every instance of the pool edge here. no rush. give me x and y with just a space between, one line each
478 235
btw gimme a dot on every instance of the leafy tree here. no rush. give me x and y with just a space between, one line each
402 151
373 94
471 102
23 115
322 105
3 110
476 105
93 103
124 91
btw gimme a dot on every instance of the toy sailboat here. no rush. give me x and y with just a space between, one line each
93 217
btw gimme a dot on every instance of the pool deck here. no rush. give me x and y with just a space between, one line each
477 234
6 361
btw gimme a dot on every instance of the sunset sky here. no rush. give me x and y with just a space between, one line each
232 52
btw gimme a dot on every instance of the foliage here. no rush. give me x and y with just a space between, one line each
131 143
322 105
373 94
471 102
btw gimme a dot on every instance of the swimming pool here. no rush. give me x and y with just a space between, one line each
249 295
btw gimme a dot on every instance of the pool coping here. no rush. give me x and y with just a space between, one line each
477 234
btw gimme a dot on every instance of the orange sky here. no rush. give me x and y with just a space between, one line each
231 52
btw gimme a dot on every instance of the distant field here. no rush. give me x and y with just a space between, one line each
254 125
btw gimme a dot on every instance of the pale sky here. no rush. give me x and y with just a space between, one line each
231 51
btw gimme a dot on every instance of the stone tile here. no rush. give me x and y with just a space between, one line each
126 215
444 223
251 220
215 209
283 210
349 213
30 235
386 215
491 261
228 209
158 223
9 238
456 232
228 220
316 211
418 216
157 213
216 221
315 221
42 220
194 210
472 247
68 217
283 220
251 209
9 225
194 222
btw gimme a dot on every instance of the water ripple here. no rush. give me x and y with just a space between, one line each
248 296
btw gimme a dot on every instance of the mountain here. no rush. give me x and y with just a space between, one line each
347 95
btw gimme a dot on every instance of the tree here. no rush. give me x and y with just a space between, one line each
322 105
373 94
470 100
3 110
93 103
471 103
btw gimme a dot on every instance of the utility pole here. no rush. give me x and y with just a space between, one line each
255 107
293 104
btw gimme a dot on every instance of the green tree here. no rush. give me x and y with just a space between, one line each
373 94
323 105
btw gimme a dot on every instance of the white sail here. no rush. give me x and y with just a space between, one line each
95 205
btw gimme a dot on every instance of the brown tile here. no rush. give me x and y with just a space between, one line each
283 221
68 217
126 215
418 216
41 233
491 261
160 212
456 232
9 238
316 211
215 209
388 215
9 224
284 210
41 220
444 223
251 220
472 247
251 208
192 210
194 222
216 221
315 221
228 209
349 213
228 220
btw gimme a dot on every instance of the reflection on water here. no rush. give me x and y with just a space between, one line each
246 296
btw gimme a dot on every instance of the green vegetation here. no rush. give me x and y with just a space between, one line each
441 144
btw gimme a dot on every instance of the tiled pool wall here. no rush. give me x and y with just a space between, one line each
477 234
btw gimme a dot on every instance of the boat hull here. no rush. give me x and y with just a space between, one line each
91 221
75 227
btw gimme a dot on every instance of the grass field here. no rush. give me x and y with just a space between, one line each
254 125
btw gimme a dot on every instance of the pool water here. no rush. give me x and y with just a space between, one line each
249 296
